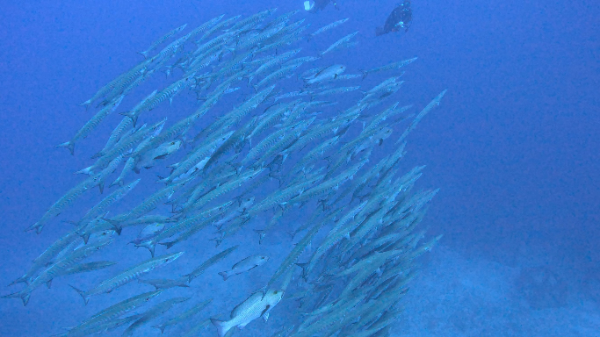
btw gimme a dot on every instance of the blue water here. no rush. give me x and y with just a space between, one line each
514 148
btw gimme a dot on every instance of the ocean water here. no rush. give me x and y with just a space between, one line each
513 147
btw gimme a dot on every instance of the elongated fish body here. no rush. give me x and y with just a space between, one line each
391 66
244 205
177 129
283 143
88 127
128 276
277 75
277 60
272 116
195 330
62 203
218 26
110 314
59 267
254 19
137 110
265 144
106 90
164 150
333 91
280 40
115 136
227 187
130 165
126 305
244 265
102 207
169 92
151 203
185 315
343 42
47 256
148 219
282 197
100 178
162 39
204 27
124 146
87 267
192 225
127 168
238 113
210 262
295 253
166 283
433 104
315 154
152 313
168 52
101 327
258 39
329 26
198 159
257 305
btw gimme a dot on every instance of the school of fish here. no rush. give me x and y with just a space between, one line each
301 146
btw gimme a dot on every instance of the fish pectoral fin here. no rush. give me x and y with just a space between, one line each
266 312
266 317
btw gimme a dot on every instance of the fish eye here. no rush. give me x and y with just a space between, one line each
275 292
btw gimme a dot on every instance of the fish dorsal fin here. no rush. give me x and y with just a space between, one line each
265 312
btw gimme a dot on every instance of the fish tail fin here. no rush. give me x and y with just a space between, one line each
261 235
116 225
69 145
189 278
144 54
24 296
151 248
87 104
88 170
131 115
86 237
117 181
163 180
184 280
35 227
147 245
22 279
304 267
85 297
97 155
168 244
379 31
160 327
224 275
222 326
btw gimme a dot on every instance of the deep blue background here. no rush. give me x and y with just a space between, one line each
514 146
